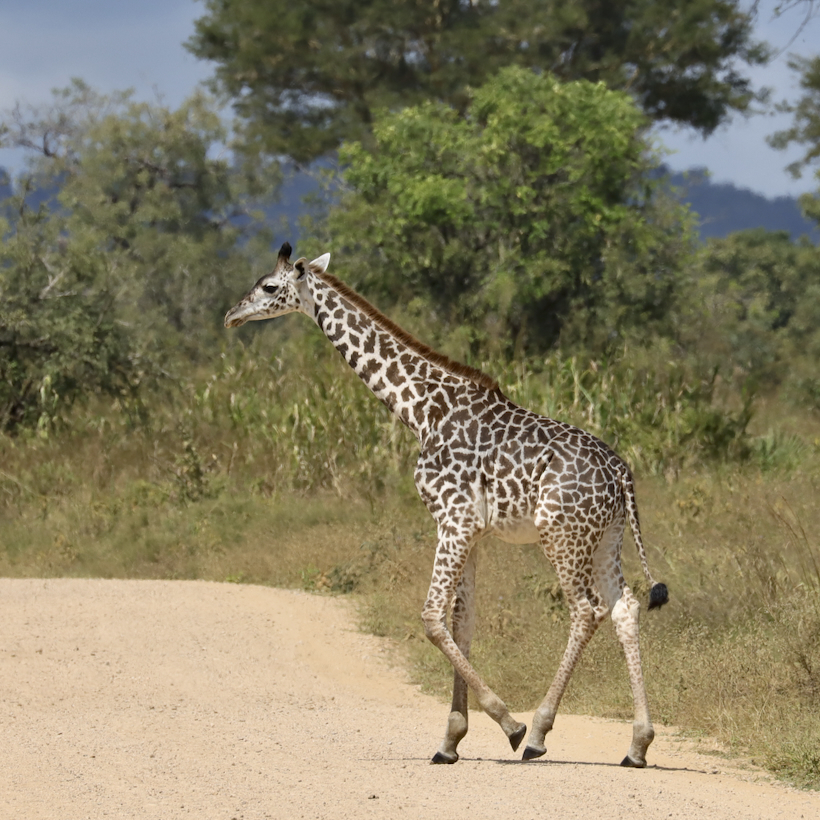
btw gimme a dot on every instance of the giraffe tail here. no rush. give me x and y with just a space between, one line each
658 593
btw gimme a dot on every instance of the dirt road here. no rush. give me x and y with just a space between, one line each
137 699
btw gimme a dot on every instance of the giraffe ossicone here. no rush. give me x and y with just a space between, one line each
486 467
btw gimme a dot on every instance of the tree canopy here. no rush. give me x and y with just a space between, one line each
304 77
760 297
532 219
805 129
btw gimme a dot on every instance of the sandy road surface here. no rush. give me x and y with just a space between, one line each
132 699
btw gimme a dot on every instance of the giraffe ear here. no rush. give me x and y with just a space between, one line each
319 265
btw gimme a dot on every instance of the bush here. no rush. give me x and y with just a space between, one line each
531 220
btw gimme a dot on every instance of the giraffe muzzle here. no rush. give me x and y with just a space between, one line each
234 317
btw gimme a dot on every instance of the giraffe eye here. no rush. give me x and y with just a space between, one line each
270 288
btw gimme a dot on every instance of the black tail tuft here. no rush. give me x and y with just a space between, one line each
658 596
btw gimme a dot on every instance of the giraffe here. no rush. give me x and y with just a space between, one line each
486 466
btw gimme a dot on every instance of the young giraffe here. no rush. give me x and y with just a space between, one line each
486 466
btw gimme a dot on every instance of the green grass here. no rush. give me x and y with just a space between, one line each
294 476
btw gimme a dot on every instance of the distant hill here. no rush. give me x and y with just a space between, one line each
722 207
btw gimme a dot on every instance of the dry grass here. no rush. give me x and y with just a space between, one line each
736 654
257 474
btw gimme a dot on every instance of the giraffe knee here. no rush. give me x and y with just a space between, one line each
584 614
434 626
625 615
600 612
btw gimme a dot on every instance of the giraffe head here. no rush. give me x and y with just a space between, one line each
279 292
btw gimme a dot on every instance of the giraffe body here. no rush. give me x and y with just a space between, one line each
486 466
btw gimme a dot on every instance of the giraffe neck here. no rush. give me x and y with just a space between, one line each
417 384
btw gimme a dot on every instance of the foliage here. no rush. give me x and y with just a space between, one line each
531 220
304 78
760 296
138 251
298 420
766 290
805 129
59 338
155 190
662 417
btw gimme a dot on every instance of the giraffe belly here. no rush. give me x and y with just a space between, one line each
516 531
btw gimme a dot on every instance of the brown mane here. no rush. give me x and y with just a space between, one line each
408 340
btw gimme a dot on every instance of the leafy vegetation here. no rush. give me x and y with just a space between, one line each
529 222
762 293
304 79
124 271
58 335
805 129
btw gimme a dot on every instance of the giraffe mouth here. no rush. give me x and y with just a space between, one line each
234 317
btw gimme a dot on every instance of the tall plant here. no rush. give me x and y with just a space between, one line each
303 77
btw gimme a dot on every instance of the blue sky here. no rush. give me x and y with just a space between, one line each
119 44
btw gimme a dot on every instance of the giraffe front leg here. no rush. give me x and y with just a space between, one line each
451 563
463 628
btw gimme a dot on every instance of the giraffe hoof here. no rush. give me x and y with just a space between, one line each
517 736
438 757
530 753
629 763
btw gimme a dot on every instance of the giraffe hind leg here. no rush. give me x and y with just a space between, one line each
625 611
585 616
584 621
625 617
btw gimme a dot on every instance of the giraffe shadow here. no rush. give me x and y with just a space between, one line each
508 762
500 761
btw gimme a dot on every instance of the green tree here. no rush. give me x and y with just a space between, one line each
304 77
59 335
760 297
145 240
155 189
800 355
805 129
531 220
